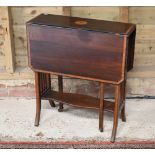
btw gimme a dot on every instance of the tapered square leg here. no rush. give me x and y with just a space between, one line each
38 98
48 81
60 87
116 112
38 110
123 92
123 116
101 108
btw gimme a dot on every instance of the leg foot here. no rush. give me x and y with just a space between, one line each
60 107
116 111
52 103
112 139
38 109
113 136
101 129
37 119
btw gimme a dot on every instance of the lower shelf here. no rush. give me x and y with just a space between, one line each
77 100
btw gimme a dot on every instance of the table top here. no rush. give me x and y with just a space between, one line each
113 27
80 47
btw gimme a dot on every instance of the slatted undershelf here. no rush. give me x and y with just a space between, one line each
77 100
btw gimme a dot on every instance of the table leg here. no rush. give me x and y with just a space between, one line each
48 80
38 98
116 112
60 87
123 102
101 108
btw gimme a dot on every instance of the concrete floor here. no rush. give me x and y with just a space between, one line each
17 122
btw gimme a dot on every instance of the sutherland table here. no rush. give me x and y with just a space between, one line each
90 49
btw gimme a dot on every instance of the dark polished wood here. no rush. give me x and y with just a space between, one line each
116 112
91 24
101 108
78 100
123 96
52 103
38 98
131 48
88 54
102 51
60 87
48 78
